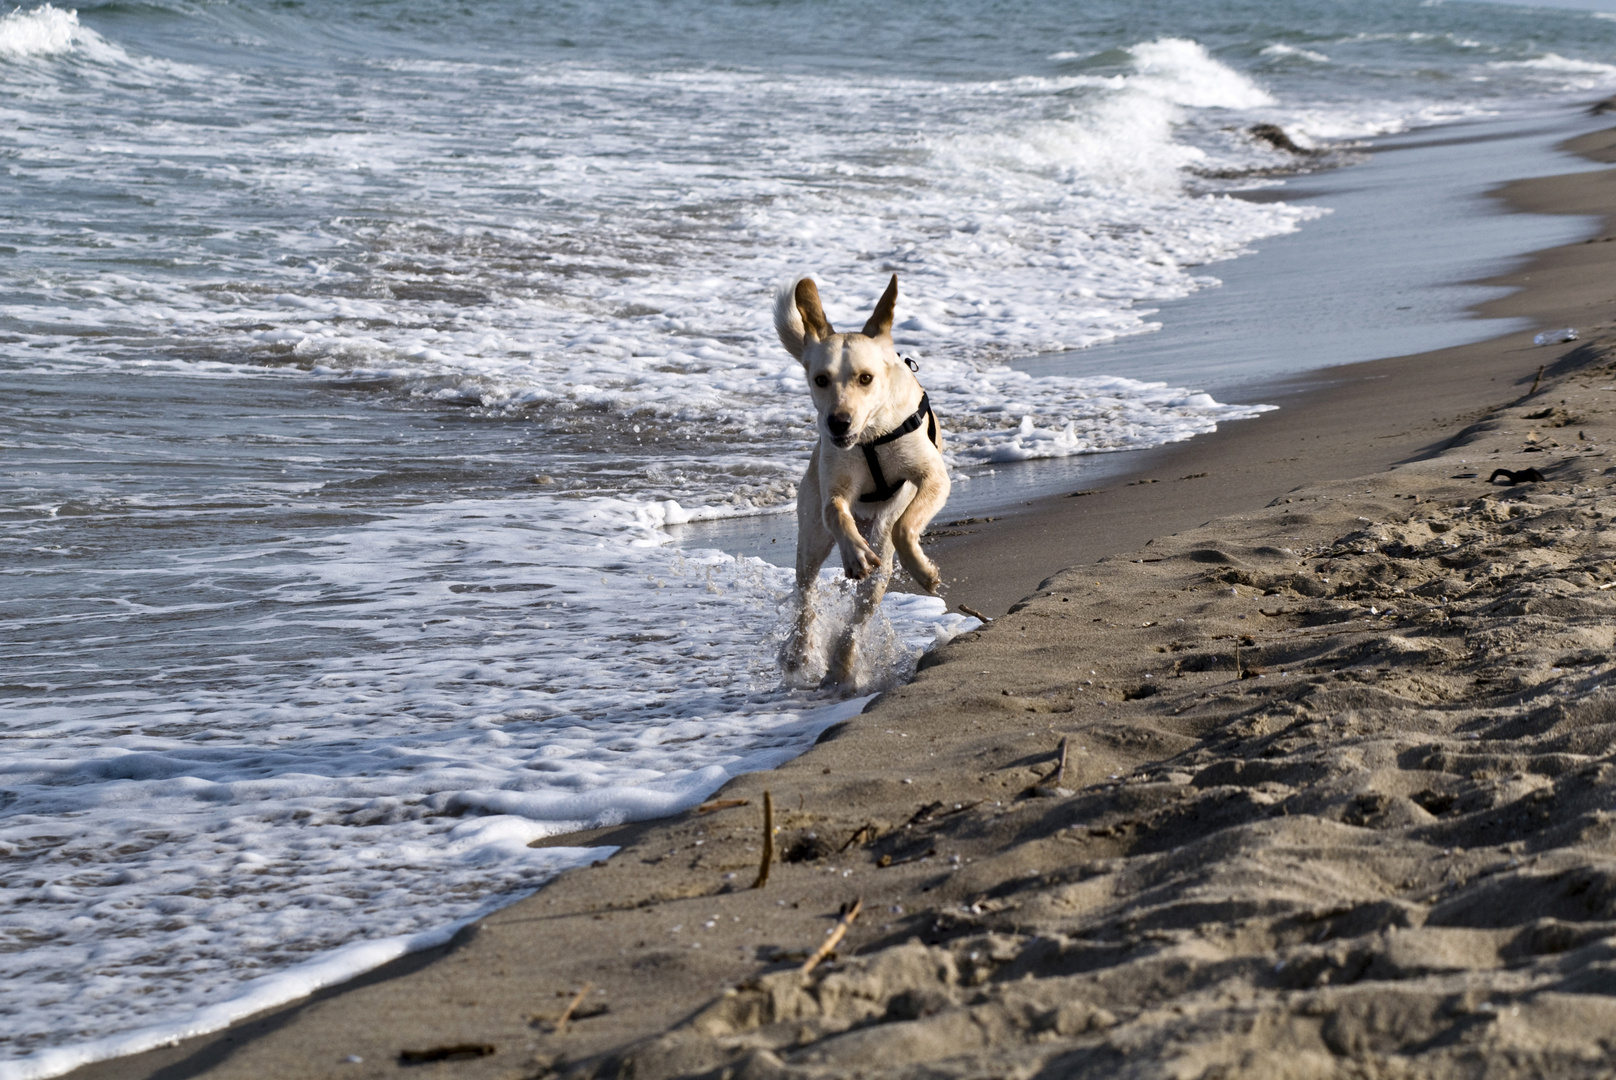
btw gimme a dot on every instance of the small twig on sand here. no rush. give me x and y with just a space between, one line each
932 811
1238 673
863 834
721 804
834 938
1052 786
572 1006
887 860
975 614
768 841
1537 380
454 1052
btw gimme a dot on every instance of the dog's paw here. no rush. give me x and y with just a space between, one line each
860 562
922 570
793 658
842 673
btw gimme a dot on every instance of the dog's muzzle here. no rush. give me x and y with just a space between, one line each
840 426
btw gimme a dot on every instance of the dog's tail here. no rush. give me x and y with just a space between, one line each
787 319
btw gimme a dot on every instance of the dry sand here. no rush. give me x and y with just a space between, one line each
1339 795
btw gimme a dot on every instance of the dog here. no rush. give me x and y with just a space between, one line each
876 477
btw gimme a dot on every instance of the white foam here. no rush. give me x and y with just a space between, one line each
1091 416
1563 73
39 44
1557 63
1184 73
1280 49
40 31
266 992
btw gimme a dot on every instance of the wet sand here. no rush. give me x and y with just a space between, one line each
1335 802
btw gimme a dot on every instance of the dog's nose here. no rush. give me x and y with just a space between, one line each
838 423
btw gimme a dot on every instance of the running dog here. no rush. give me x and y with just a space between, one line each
876 477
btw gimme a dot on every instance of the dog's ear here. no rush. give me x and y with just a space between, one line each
787 319
814 324
798 318
880 324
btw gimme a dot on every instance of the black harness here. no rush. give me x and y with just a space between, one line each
883 490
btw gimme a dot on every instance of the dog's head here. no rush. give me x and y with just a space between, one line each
854 378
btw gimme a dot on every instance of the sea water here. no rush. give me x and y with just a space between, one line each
357 356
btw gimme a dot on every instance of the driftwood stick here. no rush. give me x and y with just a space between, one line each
1060 770
1537 380
572 1006
768 841
1238 673
834 938
863 834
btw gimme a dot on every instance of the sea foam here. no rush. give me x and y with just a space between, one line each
1564 71
41 31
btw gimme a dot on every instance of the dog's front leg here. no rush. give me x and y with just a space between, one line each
866 602
859 559
932 491
867 597
814 542
795 653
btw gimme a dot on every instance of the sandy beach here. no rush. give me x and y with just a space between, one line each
1334 798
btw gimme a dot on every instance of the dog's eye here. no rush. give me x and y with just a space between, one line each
821 380
866 379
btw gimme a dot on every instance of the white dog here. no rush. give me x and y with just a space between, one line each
876 477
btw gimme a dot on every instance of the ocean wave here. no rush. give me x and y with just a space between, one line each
1565 73
40 31
41 46
1123 135
1280 49
1181 71
1022 216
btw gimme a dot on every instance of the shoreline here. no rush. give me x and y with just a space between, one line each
1259 290
1370 417
1390 411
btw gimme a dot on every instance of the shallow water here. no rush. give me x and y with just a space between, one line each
358 356
293 672
1392 270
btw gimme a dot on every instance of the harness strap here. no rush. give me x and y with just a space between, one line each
883 490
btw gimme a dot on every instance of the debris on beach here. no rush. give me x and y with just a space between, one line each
1275 136
454 1052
